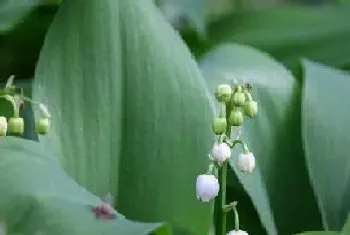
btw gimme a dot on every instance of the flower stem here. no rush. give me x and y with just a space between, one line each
223 197
236 216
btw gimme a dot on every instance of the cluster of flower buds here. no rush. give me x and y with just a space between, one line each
236 101
15 124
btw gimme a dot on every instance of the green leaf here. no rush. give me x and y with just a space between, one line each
20 48
288 33
325 115
319 233
12 12
130 112
346 227
193 11
273 136
39 197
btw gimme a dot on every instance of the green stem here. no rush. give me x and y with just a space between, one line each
222 111
236 216
223 197
16 112
29 100
241 142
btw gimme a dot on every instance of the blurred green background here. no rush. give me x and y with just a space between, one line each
316 29
285 31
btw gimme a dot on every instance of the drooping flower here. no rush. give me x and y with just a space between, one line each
221 152
207 187
3 125
237 232
246 162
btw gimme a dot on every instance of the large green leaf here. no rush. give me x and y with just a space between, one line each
20 48
130 113
288 33
12 12
38 196
325 117
193 11
273 136
319 233
346 227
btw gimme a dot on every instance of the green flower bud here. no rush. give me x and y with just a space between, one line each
251 108
223 93
3 126
236 117
238 98
248 96
238 88
219 125
16 125
42 126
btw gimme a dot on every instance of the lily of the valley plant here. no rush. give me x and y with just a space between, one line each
235 103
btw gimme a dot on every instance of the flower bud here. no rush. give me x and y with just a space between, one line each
16 125
207 187
221 152
219 125
3 126
246 162
248 96
236 117
238 98
223 93
42 126
251 108
237 232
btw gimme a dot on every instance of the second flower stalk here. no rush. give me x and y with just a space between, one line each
235 103
15 124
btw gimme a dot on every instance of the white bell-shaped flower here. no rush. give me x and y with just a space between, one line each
221 152
246 162
237 232
207 187
3 125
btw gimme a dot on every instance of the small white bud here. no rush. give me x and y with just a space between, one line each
246 162
3 125
207 187
237 232
221 152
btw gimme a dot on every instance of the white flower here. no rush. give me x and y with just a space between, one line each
207 187
237 232
3 125
221 152
246 162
